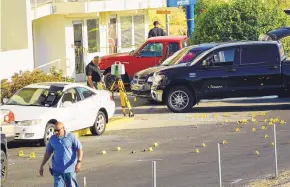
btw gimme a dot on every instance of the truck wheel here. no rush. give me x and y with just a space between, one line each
180 99
4 167
99 126
48 133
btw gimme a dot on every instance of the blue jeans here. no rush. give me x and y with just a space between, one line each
65 179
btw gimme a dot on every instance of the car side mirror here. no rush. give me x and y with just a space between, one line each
5 100
67 104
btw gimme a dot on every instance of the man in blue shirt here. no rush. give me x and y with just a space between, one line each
66 159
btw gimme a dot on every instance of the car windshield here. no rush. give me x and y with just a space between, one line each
33 97
185 55
173 59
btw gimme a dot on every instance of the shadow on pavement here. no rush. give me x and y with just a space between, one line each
261 101
214 109
19 144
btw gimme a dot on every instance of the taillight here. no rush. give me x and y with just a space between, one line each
9 117
111 98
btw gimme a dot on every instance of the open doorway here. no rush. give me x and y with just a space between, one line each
113 34
79 50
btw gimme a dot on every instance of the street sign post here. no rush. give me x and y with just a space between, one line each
176 3
189 5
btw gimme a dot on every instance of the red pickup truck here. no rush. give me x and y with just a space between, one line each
151 53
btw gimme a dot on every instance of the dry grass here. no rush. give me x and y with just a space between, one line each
283 181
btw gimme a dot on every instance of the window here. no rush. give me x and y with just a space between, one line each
139 29
256 54
222 58
71 95
85 92
132 31
282 52
152 50
27 96
126 31
172 48
93 35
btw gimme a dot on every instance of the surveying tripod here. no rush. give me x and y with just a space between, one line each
123 96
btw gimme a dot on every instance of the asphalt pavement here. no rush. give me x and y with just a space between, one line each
246 156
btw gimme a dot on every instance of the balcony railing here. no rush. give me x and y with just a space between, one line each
37 3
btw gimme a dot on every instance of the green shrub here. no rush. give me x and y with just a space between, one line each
239 20
22 79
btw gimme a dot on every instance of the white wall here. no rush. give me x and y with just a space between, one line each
13 25
14 61
49 42
16 38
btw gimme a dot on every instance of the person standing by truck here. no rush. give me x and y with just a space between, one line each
94 76
156 31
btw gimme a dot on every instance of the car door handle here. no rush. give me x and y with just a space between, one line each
273 67
231 70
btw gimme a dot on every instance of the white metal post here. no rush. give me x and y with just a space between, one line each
85 182
275 151
167 24
154 173
220 170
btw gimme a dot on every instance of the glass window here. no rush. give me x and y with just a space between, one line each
282 52
172 48
222 58
71 95
173 59
27 96
78 46
93 35
139 29
85 92
126 31
152 50
256 54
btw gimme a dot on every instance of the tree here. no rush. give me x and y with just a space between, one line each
238 20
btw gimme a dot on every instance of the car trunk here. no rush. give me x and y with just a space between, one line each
276 34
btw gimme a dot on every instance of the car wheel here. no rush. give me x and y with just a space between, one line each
99 126
4 167
48 133
180 99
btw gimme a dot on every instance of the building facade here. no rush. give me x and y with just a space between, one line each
69 33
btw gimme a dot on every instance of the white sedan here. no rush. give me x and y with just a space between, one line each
37 107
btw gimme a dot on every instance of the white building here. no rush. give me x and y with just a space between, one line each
69 33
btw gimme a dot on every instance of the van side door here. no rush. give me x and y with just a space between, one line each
261 71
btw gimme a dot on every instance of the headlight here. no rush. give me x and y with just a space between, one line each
150 79
29 122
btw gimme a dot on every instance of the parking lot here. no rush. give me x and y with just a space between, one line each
177 135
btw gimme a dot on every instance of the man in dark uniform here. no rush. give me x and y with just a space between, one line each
156 31
94 76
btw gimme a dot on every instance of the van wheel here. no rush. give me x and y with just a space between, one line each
48 133
4 167
180 99
99 126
